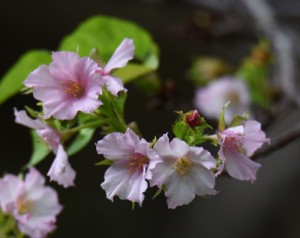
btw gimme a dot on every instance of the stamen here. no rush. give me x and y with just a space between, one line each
23 205
183 166
72 88
136 163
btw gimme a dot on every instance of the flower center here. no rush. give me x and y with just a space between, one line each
183 166
234 97
23 205
136 163
234 144
72 88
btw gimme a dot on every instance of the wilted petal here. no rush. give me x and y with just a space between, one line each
61 171
121 56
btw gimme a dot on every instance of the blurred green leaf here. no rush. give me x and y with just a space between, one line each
132 71
81 140
40 149
222 123
11 82
104 162
105 34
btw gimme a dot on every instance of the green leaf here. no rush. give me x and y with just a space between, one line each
112 112
104 162
237 120
40 149
82 139
106 33
222 123
132 71
157 192
11 82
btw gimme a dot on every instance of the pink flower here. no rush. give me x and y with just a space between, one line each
121 56
185 171
133 160
34 205
210 99
237 145
60 171
68 85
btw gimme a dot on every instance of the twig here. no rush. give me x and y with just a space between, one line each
279 142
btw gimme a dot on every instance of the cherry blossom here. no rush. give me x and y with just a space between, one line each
133 160
185 171
34 205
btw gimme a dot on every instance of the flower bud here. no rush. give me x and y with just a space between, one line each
192 119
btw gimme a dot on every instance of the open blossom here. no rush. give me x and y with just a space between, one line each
237 145
185 171
68 85
60 170
210 99
133 161
121 56
34 205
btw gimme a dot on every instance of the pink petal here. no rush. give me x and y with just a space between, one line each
162 172
202 157
10 187
203 181
178 192
63 65
163 149
239 166
121 56
254 137
22 118
117 146
118 181
114 84
179 147
41 77
60 170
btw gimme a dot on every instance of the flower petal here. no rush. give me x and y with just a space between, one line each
163 149
239 166
202 157
61 171
178 192
114 84
117 146
118 181
254 137
121 56
22 118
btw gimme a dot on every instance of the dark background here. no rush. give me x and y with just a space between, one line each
268 208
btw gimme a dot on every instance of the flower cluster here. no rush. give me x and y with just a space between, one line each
79 95
183 171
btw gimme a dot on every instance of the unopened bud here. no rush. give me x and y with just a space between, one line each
192 119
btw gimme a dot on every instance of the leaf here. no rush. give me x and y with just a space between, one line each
222 123
40 149
82 139
106 33
237 120
132 71
104 162
159 190
103 34
11 82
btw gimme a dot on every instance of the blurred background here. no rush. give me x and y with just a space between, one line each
268 208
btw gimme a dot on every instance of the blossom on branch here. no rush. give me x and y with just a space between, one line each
209 100
185 171
133 162
237 145
119 59
68 85
60 170
34 205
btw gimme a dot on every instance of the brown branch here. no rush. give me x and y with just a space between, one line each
279 142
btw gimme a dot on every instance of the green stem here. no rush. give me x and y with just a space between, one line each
70 132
